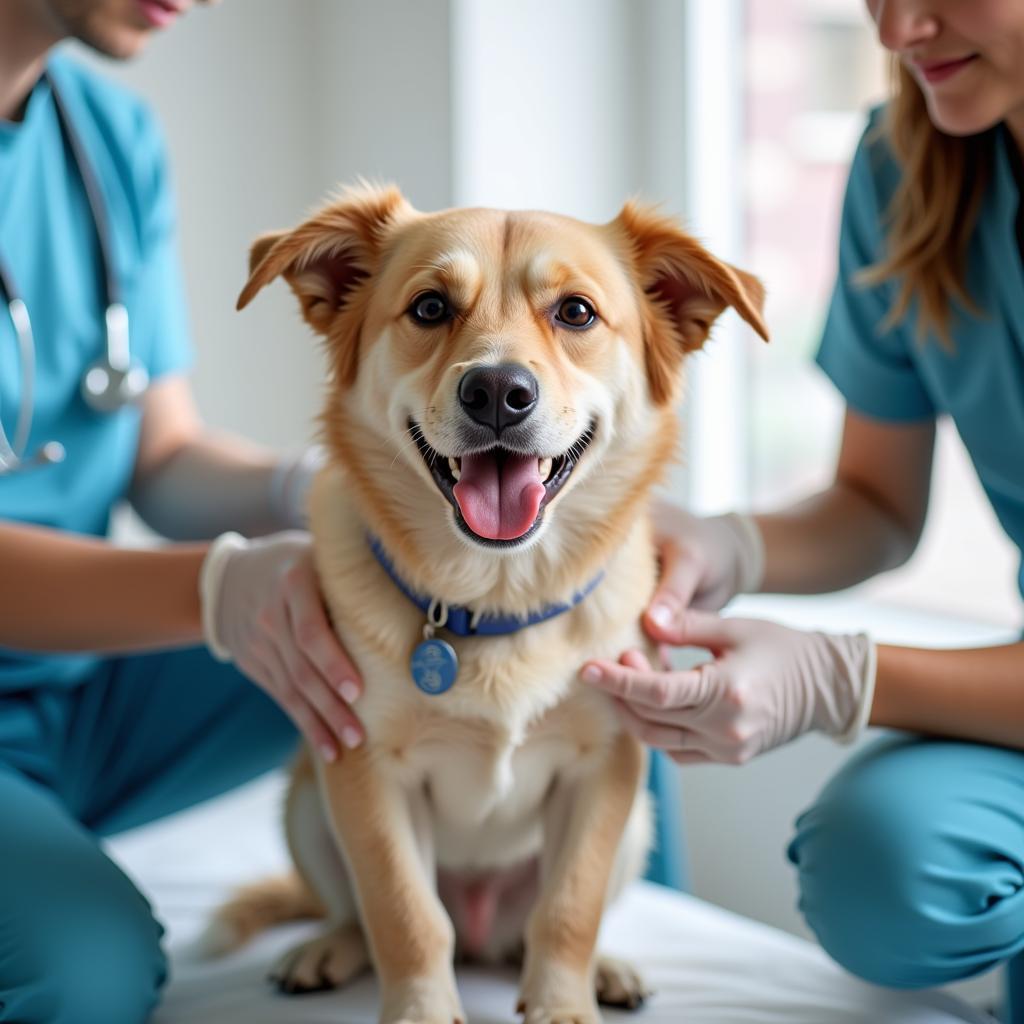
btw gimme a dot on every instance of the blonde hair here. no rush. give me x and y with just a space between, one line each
933 212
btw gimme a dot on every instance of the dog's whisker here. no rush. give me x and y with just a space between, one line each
406 442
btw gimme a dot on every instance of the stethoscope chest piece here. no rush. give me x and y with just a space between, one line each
115 379
107 390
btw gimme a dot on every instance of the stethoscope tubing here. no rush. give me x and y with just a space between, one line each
116 366
10 453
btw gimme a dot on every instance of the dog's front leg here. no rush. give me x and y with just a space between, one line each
385 841
583 826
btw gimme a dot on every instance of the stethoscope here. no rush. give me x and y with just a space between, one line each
115 379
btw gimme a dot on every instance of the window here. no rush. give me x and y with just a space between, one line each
810 70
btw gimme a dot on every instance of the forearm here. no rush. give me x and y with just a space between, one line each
867 522
68 593
830 541
212 483
975 694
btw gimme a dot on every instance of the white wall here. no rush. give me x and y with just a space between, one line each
545 98
382 73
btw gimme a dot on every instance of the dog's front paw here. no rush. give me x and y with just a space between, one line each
559 1014
422 1001
618 984
553 995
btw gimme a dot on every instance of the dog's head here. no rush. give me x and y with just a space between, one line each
494 374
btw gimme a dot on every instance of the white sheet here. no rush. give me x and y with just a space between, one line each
707 966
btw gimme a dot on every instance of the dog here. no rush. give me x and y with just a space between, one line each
500 405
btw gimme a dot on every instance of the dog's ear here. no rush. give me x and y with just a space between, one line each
326 258
257 253
685 289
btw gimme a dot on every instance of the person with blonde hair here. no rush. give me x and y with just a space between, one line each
911 862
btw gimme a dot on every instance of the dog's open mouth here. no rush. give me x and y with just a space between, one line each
498 494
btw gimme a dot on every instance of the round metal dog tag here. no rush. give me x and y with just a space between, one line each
434 666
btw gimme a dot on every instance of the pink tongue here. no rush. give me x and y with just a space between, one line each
499 502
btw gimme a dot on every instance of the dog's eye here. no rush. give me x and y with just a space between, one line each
575 312
430 308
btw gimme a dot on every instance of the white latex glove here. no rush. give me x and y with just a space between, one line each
705 563
765 685
262 609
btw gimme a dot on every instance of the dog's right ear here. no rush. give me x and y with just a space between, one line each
330 255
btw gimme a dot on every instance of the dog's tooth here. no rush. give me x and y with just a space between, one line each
544 467
453 465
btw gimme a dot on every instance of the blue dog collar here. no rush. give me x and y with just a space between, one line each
463 621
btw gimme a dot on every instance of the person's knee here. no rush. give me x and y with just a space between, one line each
891 893
852 894
97 958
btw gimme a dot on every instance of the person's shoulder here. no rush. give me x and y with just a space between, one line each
875 170
122 117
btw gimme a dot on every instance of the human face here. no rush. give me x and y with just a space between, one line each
967 56
117 28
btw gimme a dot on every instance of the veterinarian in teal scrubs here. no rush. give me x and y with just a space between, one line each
911 863
146 720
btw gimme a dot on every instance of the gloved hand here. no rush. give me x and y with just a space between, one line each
262 609
705 562
765 685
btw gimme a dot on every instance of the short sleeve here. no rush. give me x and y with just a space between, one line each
869 361
159 313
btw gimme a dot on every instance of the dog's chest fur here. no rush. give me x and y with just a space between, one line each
484 785
486 753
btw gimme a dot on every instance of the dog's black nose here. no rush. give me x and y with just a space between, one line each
498 396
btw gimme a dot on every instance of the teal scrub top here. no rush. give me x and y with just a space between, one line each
888 374
49 243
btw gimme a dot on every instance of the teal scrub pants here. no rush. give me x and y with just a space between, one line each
141 738
911 862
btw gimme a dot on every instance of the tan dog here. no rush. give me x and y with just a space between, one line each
500 405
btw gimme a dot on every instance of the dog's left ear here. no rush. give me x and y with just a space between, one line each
685 290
